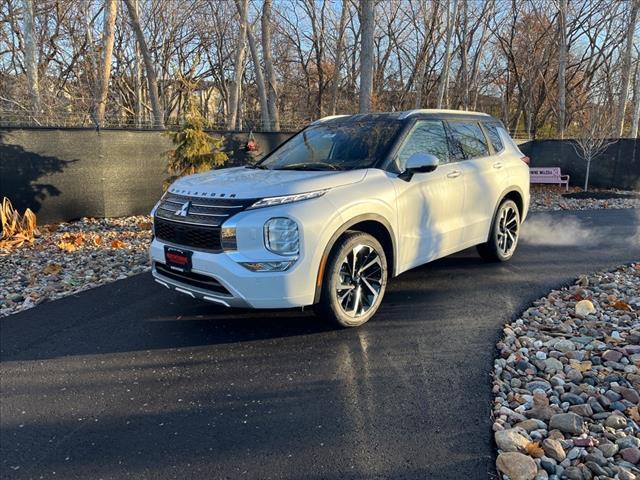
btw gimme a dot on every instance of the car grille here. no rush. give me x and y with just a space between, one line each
200 211
193 221
194 279
201 238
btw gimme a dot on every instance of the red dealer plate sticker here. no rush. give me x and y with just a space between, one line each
177 258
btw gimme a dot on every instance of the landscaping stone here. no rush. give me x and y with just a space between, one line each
517 466
511 440
551 197
578 385
567 422
553 449
631 455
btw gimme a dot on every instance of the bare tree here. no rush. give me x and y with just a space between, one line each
443 82
31 56
257 68
562 66
593 137
626 66
158 115
339 49
239 60
367 25
272 87
108 37
636 98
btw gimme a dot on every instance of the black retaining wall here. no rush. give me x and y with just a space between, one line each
64 174
68 174
618 166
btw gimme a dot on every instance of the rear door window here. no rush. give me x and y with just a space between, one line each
426 136
494 137
467 140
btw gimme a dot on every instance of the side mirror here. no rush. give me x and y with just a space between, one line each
419 163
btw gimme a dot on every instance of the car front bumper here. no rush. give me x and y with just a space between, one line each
244 288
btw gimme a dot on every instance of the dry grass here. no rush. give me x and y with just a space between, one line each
16 229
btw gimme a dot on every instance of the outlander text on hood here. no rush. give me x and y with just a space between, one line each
340 208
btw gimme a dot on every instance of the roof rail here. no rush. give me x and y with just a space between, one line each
330 117
408 113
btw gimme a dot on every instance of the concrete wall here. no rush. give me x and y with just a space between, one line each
68 174
618 166
71 173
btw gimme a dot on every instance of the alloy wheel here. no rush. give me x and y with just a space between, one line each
360 280
508 229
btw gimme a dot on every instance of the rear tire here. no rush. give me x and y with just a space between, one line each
355 280
504 234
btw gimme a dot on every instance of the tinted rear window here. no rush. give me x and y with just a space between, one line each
468 140
494 136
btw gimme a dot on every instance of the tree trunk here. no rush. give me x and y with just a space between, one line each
636 103
444 76
255 59
158 114
138 79
562 67
626 67
272 87
339 48
367 22
102 85
586 176
234 97
31 56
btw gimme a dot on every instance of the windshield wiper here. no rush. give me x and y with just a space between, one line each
260 167
310 166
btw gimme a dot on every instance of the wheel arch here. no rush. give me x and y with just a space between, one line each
373 224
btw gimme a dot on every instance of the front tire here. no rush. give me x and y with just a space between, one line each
355 280
504 235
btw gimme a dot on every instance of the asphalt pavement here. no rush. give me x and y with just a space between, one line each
130 380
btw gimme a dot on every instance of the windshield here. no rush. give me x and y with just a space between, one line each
335 146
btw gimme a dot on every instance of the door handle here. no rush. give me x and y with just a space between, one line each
454 174
497 165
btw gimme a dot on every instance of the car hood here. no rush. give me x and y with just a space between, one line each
242 182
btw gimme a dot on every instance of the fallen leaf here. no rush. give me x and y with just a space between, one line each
67 246
117 244
534 450
52 268
145 225
620 305
97 240
634 414
580 366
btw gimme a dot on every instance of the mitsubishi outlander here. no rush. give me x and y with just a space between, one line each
340 208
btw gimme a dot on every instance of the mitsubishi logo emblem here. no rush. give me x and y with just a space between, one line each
184 210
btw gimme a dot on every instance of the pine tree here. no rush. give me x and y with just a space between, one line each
196 151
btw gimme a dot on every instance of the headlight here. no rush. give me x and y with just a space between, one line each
281 236
270 201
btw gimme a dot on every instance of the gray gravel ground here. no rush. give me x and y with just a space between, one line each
566 383
68 258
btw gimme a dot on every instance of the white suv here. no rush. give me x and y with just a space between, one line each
335 211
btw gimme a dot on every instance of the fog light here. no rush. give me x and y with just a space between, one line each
281 236
267 266
228 240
